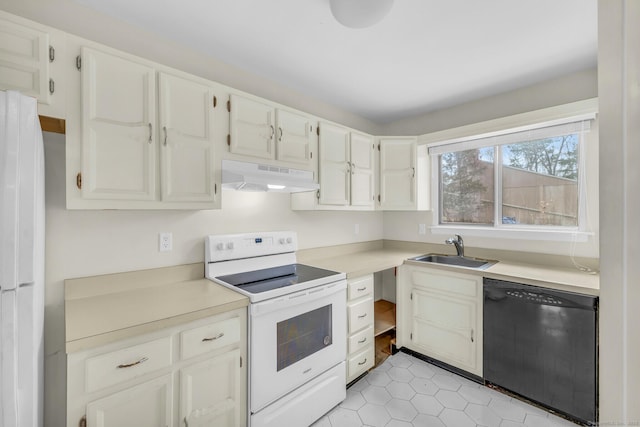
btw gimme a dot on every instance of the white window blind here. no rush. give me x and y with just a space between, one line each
538 131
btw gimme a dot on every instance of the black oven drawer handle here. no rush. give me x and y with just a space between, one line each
220 335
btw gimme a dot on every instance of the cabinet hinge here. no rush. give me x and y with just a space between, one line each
79 180
311 154
52 54
79 62
241 361
411 336
229 139
52 86
215 188
83 421
379 198
318 130
215 101
229 105
411 296
378 146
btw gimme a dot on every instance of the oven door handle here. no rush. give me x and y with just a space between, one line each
298 298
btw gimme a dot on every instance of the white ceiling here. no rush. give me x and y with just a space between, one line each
424 56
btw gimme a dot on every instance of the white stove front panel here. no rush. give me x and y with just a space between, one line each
225 247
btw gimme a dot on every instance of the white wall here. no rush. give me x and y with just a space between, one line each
87 243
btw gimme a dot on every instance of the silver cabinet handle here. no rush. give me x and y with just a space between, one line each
281 133
150 132
362 316
220 335
362 340
363 362
353 168
362 289
273 131
164 128
414 172
348 167
471 335
129 365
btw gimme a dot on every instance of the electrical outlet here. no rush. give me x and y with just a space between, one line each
165 242
422 229
356 229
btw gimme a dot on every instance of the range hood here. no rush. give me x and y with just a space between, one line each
247 176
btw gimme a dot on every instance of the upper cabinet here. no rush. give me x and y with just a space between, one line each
146 137
259 129
28 62
404 174
346 167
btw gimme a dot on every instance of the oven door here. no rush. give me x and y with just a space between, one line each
295 338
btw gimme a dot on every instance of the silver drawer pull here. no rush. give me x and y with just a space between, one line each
363 362
129 365
220 335
362 316
362 289
306 371
362 340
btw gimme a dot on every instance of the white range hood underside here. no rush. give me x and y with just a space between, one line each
247 176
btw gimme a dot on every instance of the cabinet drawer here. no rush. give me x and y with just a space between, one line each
360 314
360 287
210 337
360 340
360 362
122 365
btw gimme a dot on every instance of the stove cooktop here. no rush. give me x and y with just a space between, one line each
269 279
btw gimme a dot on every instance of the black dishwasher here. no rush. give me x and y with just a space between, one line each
542 344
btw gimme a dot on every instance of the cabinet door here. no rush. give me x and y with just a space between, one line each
186 140
445 328
334 165
293 137
146 405
252 128
362 170
118 128
24 60
398 173
210 392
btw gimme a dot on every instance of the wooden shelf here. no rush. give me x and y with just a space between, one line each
384 315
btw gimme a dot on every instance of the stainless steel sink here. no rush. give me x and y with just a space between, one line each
459 261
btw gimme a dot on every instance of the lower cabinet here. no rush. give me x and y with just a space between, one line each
440 315
360 337
189 375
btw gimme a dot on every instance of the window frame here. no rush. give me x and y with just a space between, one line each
570 113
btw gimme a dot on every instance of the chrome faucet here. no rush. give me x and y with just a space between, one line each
457 242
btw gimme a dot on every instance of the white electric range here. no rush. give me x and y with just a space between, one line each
297 325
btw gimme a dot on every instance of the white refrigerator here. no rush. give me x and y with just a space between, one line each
21 262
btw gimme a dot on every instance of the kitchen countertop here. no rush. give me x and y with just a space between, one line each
104 309
366 258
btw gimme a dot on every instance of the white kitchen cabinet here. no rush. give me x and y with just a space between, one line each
147 137
260 129
440 315
210 392
24 60
118 128
404 174
346 167
360 318
146 405
187 140
189 375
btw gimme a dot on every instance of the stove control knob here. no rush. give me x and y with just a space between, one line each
230 245
289 240
220 246
282 240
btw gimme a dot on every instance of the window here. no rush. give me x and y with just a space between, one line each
518 179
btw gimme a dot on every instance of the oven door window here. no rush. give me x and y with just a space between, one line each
303 335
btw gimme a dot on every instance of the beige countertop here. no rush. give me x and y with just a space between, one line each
107 308
360 259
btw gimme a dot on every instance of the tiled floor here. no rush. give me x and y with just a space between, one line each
407 392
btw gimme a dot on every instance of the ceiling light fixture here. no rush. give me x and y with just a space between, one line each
360 13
